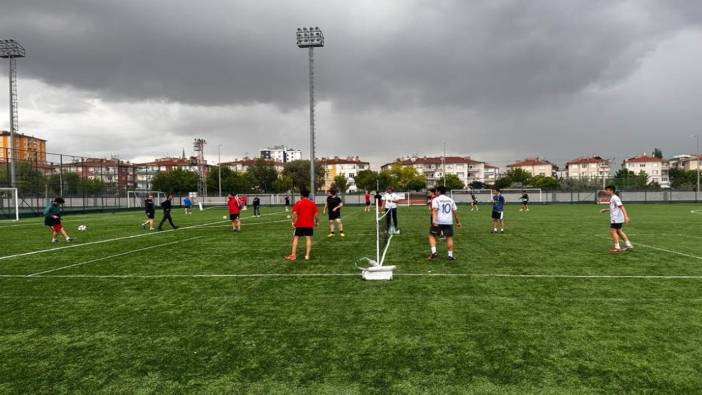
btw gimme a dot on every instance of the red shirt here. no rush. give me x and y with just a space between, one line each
306 210
234 205
368 197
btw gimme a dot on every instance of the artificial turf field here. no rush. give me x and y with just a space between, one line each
543 308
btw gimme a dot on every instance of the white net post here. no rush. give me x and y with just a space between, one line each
9 198
377 231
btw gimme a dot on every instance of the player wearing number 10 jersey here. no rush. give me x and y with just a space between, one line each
443 214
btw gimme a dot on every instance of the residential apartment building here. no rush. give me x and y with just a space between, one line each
655 168
465 168
281 153
535 166
685 162
588 168
144 172
242 165
347 167
110 171
26 147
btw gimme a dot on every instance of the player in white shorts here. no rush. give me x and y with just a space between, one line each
618 216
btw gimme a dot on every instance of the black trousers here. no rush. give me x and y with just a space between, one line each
391 218
257 210
166 217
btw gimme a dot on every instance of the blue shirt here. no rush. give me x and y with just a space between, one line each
498 203
187 202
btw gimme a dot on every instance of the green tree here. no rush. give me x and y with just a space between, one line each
264 173
341 184
658 153
544 182
29 180
681 179
239 183
282 184
178 181
385 180
518 176
452 182
366 180
504 181
406 178
627 179
299 172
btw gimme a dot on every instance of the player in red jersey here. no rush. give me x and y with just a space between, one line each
234 206
305 217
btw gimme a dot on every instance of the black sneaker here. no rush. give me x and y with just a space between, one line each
452 258
433 256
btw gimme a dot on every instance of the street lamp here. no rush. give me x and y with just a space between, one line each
219 167
310 38
11 49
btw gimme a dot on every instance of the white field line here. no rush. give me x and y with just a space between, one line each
302 275
246 225
113 256
636 243
110 240
105 241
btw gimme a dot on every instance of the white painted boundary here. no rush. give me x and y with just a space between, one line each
113 256
115 239
322 275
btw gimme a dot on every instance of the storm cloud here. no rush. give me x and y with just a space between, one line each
495 79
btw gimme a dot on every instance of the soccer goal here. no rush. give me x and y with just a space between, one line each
135 199
384 232
602 197
466 195
412 199
515 194
9 203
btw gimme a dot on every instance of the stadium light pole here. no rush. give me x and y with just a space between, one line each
219 167
698 163
310 38
11 49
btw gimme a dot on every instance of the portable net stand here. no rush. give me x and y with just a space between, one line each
383 236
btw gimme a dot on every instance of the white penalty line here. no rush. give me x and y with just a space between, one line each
113 256
302 275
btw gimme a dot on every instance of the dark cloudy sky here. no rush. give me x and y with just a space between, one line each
495 79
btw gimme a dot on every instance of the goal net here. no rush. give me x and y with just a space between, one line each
9 203
514 195
466 196
135 199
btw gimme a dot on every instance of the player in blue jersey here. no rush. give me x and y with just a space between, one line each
498 211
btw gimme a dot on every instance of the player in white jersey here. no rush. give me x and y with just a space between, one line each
618 216
443 213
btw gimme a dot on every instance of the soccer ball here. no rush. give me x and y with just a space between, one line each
224 217
288 217
82 228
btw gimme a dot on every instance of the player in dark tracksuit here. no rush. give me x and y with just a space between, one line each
149 212
257 206
166 206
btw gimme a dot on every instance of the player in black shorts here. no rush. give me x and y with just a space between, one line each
473 203
149 212
333 208
525 202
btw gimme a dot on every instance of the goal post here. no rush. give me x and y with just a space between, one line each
511 195
515 194
9 203
135 199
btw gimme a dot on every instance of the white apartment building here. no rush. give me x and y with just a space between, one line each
536 167
685 162
465 168
281 153
146 171
588 168
242 165
655 168
347 167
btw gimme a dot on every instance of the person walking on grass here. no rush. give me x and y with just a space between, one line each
188 204
257 206
525 201
444 213
618 216
52 219
149 212
305 217
390 200
234 205
473 203
333 208
287 203
166 206
367 196
498 211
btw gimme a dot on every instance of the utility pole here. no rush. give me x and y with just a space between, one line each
11 49
219 167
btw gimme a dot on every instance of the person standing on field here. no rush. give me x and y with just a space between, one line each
367 197
257 206
149 212
390 200
618 216
166 206
188 205
498 211
333 208
305 217
443 214
52 219
234 205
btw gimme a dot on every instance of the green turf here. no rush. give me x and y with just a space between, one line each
145 322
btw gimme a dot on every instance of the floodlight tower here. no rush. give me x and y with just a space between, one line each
199 148
11 49
310 38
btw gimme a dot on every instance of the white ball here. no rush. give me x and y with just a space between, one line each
224 217
288 216
82 228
